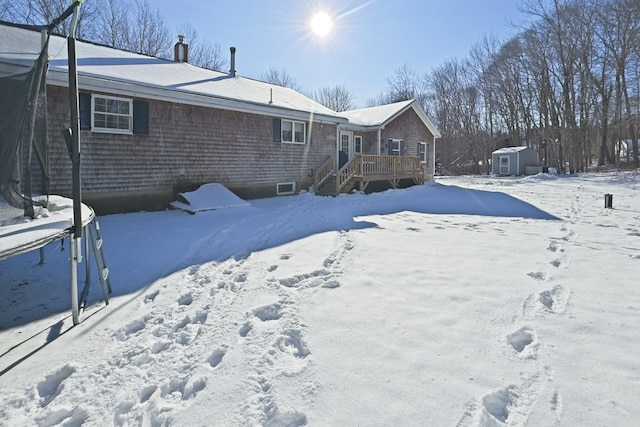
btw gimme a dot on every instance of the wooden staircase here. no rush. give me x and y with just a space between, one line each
328 187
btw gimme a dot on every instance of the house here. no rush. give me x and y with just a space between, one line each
151 128
389 143
515 161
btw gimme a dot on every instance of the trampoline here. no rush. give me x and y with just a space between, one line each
30 217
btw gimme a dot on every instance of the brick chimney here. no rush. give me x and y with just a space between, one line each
181 51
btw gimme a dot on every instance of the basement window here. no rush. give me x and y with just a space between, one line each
111 115
286 188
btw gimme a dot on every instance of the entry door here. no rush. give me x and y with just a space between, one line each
347 147
505 168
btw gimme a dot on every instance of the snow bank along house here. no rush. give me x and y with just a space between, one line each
151 128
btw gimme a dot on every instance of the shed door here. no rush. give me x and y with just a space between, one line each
505 168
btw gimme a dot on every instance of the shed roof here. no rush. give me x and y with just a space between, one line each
379 116
508 150
106 69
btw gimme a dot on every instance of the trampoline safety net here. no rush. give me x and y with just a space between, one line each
24 174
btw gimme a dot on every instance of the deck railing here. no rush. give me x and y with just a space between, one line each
388 165
370 167
345 173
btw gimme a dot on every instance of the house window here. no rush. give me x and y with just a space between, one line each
396 147
357 141
285 188
294 132
344 142
423 152
111 115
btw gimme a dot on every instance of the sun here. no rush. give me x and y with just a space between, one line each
321 24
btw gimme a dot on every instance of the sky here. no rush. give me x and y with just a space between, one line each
340 311
368 42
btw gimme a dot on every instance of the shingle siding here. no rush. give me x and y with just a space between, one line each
186 146
407 127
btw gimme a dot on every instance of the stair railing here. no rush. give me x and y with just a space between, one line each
324 172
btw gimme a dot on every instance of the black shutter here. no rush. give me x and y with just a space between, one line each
390 147
401 148
277 130
140 117
84 102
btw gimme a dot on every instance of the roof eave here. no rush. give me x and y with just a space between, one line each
136 89
362 128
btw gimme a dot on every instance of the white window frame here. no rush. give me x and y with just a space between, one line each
294 123
357 144
102 129
279 192
425 154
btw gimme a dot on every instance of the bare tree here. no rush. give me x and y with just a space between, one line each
280 77
113 24
380 99
338 98
403 85
6 10
203 54
42 12
148 32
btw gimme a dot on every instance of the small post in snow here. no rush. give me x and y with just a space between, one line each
608 201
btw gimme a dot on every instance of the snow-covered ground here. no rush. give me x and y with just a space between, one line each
472 301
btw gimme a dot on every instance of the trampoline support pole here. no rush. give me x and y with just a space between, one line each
76 234
75 306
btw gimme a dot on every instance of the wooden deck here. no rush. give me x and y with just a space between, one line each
364 169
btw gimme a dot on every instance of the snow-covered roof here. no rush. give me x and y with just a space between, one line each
379 116
105 69
510 150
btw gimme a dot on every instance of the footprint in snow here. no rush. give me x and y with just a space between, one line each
288 419
523 341
291 342
510 405
150 297
146 393
309 280
178 389
560 262
268 312
67 417
245 329
554 247
216 357
555 299
496 406
185 299
53 384
130 329
538 275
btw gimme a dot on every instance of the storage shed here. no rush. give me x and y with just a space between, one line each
515 161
